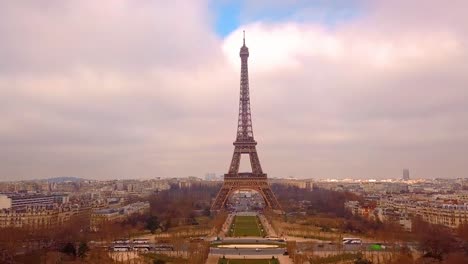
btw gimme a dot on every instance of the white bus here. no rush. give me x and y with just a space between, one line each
352 241
163 247
142 247
122 241
277 239
121 247
140 241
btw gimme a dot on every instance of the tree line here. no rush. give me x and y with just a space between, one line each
437 243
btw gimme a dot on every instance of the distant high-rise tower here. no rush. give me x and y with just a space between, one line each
210 176
245 144
406 175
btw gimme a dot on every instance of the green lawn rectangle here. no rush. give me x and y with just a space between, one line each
246 226
248 261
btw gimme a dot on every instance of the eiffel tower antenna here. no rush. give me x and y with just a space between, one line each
244 36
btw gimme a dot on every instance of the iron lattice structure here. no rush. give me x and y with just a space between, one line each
245 144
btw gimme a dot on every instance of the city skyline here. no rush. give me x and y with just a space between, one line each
351 89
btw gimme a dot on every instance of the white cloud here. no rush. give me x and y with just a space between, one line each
292 45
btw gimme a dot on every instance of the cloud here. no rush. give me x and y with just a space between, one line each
286 45
144 89
121 34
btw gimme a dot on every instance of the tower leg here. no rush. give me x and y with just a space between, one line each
221 198
255 162
235 163
270 198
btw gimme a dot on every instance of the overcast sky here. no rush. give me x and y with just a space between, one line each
141 89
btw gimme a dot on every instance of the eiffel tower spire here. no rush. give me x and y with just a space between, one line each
244 124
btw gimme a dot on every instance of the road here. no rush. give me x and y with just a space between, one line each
246 240
245 252
303 246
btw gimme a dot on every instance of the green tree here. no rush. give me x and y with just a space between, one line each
206 211
361 260
435 241
152 223
69 249
83 250
168 224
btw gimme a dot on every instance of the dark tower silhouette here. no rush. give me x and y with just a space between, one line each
245 144
406 175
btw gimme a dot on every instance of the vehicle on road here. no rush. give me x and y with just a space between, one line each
140 241
354 241
196 239
121 248
161 247
377 247
142 247
274 238
122 241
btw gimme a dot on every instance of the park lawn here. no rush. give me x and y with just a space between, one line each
246 226
248 261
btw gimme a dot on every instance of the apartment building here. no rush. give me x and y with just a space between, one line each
102 216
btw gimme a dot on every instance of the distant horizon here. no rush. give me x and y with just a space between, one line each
202 178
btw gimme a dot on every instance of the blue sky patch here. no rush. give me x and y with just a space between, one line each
230 14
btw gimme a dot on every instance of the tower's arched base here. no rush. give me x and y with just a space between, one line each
241 181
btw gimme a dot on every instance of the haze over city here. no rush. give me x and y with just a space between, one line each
141 89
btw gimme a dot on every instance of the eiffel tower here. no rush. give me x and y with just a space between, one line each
245 144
